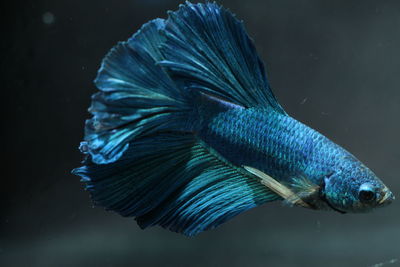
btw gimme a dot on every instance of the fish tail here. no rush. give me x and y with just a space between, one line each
136 97
144 158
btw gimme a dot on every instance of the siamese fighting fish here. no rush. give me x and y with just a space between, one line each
186 132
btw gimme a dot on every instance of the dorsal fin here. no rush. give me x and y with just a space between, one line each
209 48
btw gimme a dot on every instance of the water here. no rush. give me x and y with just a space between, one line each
333 65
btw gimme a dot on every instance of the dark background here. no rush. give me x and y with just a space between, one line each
335 65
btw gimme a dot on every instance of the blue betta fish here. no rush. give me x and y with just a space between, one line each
186 132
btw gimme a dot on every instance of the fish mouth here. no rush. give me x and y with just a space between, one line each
387 197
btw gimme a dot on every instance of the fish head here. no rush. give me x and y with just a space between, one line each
355 188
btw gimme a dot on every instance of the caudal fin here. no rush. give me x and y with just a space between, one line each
137 97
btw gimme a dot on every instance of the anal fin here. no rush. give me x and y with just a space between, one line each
176 181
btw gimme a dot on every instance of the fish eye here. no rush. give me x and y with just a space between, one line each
366 193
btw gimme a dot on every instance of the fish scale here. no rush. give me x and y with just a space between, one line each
276 144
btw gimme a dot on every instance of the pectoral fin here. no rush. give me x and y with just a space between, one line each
277 187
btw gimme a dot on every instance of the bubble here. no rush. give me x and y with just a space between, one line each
48 18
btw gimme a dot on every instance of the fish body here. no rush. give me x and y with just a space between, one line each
186 132
284 148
